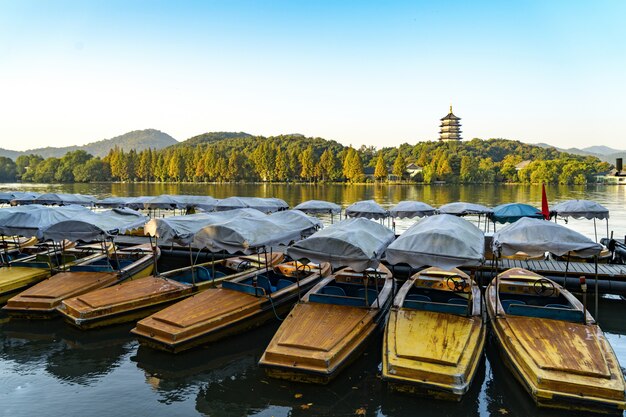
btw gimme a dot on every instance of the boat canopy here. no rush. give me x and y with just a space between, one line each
61 199
512 212
8 196
581 209
368 209
357 243
444 240
463 209
410 209
181 229
31 220
535 237
318 207
90 226
171 202
248 234
112 202
266 205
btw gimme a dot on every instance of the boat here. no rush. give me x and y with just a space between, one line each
434 339
43 299
239 304
242 302
547 338
136 299
334 321
235 233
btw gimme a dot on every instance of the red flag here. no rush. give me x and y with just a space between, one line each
545 210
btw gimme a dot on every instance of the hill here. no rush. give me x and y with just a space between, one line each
138 140
212 137
603 153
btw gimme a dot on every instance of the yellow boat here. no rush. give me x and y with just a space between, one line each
42 300
28 270
136 299
552 345
435 335
239 304
330 326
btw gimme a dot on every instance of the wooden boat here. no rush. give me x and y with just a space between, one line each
435 335
43 299
28 270
240 304
136 299
552 345
17 242
330 326
603 257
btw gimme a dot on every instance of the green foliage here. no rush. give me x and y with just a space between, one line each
380 172
8 169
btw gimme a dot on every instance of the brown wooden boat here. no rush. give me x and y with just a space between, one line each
435 335
327 330
136 299
552 345
240 304
42 300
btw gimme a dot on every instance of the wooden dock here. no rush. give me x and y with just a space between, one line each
573 269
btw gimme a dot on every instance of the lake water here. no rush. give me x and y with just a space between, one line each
48 368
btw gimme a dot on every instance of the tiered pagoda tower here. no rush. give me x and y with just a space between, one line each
450 127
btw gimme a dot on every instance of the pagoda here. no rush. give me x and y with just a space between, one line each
450 127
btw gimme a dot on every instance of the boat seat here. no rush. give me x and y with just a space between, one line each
417 297
219 274
458 301
507 303
559 306
203 274
283 283
265 283
371 294
333 290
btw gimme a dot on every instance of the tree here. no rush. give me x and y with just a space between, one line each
282 169
233 172
308 164
380 172
399 166
8 169
328 166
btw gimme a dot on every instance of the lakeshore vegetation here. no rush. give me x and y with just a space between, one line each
230 156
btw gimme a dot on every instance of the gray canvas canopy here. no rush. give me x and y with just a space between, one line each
61 199
357 243
368 209
410 209
444 240
112 202
8 196
32 219
318 207
266 205
535 237
165 202
581 209
463 209
90 226
181 229
248 235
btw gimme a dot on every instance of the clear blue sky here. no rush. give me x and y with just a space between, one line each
375 73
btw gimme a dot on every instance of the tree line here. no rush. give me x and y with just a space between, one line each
290 158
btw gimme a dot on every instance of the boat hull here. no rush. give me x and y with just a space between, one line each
14 279
319 339
215 314
561 364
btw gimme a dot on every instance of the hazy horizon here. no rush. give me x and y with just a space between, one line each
378 74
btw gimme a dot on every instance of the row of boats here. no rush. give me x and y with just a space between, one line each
434 324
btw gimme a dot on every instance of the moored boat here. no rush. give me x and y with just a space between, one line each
435 335
136 299
43 299
552 345
547 338
330 326
239 304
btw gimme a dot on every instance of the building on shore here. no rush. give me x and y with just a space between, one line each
615 176
450 129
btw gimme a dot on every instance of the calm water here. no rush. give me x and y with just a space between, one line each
48 368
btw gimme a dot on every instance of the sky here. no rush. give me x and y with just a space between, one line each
374 73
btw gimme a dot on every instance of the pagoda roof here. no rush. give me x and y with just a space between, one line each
450 116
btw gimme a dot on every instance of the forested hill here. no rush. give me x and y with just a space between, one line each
137 139
238 156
